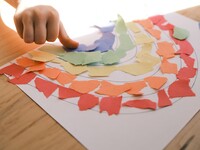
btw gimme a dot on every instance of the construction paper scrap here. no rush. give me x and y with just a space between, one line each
166 27
136 68
155 33
38 67
167 67
158 19
141 38
57 61
84 86
163 99
101 71
142 103
146 23
41 56
185 47
186 73
12 70
26 62
65 78
82 58
110 57
87 101
133 27
136 87
65 92
75 70
165 49
189 61
155 82
180 88
107 28
147 58
84 48
51 73
110 89
180 33
106 42
111 105
53 49
120 25
23 79
44 86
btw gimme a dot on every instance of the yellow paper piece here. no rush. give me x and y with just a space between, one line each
136 69
101 71
41 56
57 61
74 69
53 49
133 27
141 38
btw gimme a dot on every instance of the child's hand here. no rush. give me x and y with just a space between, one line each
40 24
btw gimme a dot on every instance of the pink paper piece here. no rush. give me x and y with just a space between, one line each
45 87
180 88
65 92
111 104
12 70
185 47
163 99
189 61
87 101
23 79
186 73
142 103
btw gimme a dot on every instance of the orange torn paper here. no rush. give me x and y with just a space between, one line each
155 33
51 73
111 104
65 78
87 101
23 79
110 89
163 99
167 67
38 67
136 87
84 86
67 93
44 86
26 62
180 88
165 49
146 23
156 82
12 70
142 103
41 56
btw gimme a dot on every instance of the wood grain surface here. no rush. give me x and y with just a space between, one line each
25 126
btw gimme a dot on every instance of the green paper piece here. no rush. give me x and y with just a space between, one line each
120 26
180 33
110 57
82 58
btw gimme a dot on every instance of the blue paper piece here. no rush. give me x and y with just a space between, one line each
86 48
105 29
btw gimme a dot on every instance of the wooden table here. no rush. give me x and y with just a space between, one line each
25 126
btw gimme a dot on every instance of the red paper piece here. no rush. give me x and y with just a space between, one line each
84 86
163 99
186 73
142 103
111 104
12 70
67 93
180 88
157 20
167 27
156 82
185 47
189 61
51 73
45 87
23 79
87 101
